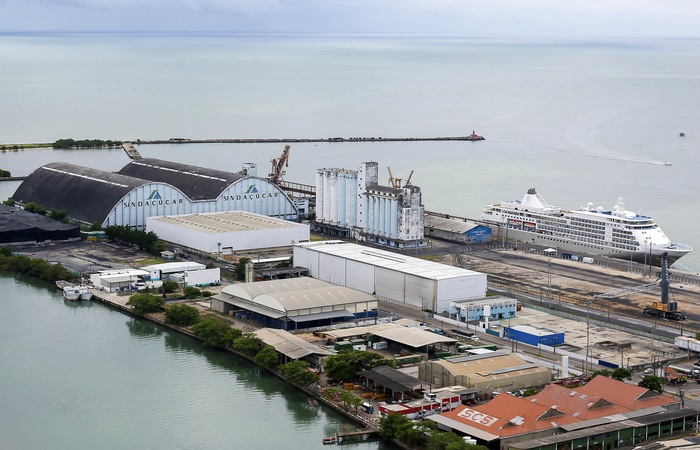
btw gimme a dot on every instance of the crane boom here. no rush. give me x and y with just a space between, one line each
278 165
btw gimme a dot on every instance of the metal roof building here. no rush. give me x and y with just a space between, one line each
456 230
295 303
228 231
292 347
390 276
147 188
490 372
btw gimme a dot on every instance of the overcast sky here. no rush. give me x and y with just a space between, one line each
596 18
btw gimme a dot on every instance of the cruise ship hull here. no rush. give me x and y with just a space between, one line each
652 257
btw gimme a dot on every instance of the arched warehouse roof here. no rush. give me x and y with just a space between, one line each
85 194
198 183
152 188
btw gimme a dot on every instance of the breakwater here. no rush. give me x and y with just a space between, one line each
288 140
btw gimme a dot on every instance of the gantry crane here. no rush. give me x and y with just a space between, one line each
278 165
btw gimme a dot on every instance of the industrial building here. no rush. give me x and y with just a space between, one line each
396 278
293 348
487 309
490 372
17 226
149 187
352 204
114 280
533 336
462 231
187 273
604 413
294 303
227 232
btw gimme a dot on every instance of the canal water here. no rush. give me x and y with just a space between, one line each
84 376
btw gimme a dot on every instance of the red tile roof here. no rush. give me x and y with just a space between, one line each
555 405
624 394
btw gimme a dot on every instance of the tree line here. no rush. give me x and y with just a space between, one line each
36 267
85 143
147 241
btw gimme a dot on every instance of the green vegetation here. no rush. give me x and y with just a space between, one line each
35 208
9 202
421 434
652 383
247 343
347 363
145 303
58 214
85 143
240 268
126 235
215 332
191 292
181 315
298 372
268 357
618 374
5 173
23 146
36 267
170 286
349 399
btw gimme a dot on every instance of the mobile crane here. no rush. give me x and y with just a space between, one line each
663 308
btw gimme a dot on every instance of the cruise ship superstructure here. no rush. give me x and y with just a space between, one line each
616 233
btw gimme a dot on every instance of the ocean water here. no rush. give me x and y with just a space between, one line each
580 120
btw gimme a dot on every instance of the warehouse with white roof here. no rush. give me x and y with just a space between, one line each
393 277
227 232
294 303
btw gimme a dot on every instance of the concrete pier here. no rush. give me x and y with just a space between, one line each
288 140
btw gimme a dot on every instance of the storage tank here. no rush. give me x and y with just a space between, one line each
320 195
333 183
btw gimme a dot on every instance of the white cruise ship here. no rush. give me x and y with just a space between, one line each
618 233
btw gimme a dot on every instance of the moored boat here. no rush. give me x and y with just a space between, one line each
616 233
330 440
85 293
71 293
63 283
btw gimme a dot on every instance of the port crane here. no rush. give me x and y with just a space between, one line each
396 182
663 308
278 165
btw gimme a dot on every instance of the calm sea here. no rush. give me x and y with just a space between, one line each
580 120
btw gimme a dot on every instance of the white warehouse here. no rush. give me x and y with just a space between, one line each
391 277
227 232
352 204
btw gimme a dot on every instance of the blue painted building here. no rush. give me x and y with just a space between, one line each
533 336
455 230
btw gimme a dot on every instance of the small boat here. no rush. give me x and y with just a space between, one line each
330 440
85 293
681 134
313 401
63 283
667 163
71 293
